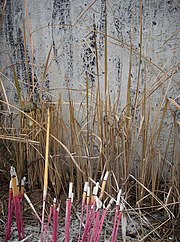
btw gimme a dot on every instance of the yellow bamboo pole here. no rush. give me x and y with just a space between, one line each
45 173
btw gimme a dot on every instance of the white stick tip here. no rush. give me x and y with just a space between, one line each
10 184
86 186
72 197
88 191
23 181
121 207
17 182
70 189
118 197
95 189
12 171
106 176
98 203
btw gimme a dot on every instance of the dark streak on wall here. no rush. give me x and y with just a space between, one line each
61 17
102 27
15 42
9 26
89 55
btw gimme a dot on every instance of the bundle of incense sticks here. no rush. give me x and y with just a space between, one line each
93 223
53 219
117 216
93 212
15 205
56 209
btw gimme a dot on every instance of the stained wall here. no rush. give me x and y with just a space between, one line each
72 32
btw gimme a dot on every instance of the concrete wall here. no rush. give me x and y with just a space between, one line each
71 27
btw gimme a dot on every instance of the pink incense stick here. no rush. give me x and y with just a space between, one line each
67 222
17 203
90 223
87 212
87 202
18 215
116 214
118 222
96 223
91 214
68 212
17 210
20 198
99 205
10 213
46 227
95 227
82 208
115 222
55 220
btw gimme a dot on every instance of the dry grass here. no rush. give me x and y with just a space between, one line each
96 137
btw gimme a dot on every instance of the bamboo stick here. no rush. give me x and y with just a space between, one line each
45 173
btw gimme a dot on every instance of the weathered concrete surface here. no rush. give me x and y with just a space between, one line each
68 26
73 28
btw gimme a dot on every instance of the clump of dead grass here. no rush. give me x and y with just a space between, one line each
95 137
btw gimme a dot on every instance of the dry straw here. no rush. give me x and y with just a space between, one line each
66 142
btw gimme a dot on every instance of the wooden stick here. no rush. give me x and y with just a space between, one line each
45 173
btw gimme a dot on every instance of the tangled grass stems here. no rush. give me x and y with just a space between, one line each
93 136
